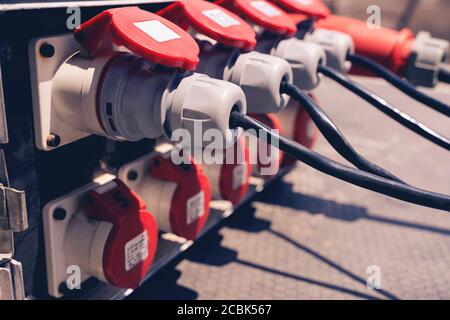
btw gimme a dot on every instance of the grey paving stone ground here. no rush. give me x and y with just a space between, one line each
311 236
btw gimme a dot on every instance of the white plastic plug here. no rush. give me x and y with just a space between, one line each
260 76
304 58
337 46
428 54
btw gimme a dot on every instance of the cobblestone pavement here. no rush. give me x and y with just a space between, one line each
311 236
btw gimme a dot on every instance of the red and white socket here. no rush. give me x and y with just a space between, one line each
178 195
279 40
229 172
266 157
222 36
101 230
304 57
125 77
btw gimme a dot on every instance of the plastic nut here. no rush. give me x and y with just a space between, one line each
304 58
201 103
426 57
337 46
260 75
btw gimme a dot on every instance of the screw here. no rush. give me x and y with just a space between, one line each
59 214
53 140
47 50
132 175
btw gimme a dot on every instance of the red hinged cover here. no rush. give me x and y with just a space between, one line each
228 189
144 33
213 21
315 8
190 181
262 13
131 244
273 122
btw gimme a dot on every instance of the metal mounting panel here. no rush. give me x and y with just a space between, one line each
11 281
42 72
55 230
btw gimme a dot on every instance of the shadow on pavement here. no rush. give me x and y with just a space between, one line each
210 251
163 286
283 195
215 254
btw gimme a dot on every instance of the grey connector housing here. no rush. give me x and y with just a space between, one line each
201 103
427 55
304 58
259 76
337 46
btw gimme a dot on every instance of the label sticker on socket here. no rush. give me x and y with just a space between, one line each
239 176
157 30
221 18
195 207
265 8
305 2
136 250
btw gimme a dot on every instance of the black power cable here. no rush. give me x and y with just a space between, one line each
386 107
444 75
332 133
399 83
357 177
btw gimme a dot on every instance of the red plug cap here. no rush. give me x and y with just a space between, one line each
144 33
315 8
262 13
213 21
189 208
272 121
131 244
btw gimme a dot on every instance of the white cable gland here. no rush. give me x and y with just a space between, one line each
260 76
427 55
304 58
337 46
201 103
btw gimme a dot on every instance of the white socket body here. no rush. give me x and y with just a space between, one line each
124 97
84 244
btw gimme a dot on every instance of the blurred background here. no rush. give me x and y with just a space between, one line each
431 15
415 14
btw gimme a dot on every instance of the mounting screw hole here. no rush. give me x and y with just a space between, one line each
59 214
47 50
